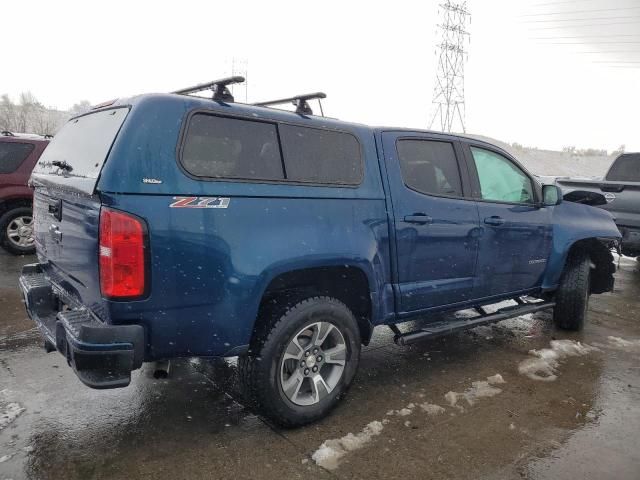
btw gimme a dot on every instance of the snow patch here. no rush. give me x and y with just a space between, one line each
431 409
331 451
484 331
403 412
479 389
10 413
544 367
451 398
522 324
495 379
624 344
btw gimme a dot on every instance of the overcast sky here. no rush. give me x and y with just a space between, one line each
541 73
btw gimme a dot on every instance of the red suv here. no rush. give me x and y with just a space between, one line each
18 155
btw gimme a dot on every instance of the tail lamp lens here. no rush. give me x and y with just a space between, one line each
122 255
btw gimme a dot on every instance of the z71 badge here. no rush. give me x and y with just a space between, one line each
200 202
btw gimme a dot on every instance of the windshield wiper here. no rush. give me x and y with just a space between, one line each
62 164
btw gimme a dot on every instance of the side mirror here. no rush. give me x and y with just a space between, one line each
551 195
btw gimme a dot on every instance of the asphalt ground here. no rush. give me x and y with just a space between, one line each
576 418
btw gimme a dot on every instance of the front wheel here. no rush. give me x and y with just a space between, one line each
303 362
572 296
16 228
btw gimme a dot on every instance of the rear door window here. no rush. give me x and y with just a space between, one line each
12 154
81 146
321 156
430 167
500 179
221 147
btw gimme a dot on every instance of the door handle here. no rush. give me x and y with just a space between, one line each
419 218
494 220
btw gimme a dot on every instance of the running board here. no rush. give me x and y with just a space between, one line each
444 328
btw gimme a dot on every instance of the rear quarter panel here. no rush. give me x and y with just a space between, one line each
211 266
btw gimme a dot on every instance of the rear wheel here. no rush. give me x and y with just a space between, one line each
572 297
16 228
303 362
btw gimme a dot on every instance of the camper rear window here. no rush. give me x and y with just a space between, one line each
81 146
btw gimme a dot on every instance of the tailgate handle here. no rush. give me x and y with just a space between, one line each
55 209
55 233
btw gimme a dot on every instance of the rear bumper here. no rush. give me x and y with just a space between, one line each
101 355
630 240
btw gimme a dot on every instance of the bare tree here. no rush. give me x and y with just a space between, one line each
8 113
30 116
81 107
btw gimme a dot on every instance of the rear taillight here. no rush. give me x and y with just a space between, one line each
122 255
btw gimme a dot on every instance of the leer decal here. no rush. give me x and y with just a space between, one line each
200 202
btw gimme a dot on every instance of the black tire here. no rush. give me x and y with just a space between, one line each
260 370
572 297
10 244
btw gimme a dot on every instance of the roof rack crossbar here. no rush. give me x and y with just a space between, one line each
219 87
300 101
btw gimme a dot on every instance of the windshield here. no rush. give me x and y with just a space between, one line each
82 145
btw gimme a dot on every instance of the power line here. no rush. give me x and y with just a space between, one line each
587 25
557 3
590 43
607 51
608 35
579 11
590 19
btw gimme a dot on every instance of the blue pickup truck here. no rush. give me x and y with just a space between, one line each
169 225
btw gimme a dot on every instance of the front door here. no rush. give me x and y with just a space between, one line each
436 227
516 237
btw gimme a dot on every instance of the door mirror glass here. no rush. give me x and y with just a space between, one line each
551 195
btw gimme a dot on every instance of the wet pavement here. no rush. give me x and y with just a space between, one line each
583 424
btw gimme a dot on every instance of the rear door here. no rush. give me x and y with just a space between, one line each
66 207
436 227
516 233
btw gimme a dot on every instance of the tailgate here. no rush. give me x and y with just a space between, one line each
66 206
66 236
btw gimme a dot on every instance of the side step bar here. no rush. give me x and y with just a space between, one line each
444 328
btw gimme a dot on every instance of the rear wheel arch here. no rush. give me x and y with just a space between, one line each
347 283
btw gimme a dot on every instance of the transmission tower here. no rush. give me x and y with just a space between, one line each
448 93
